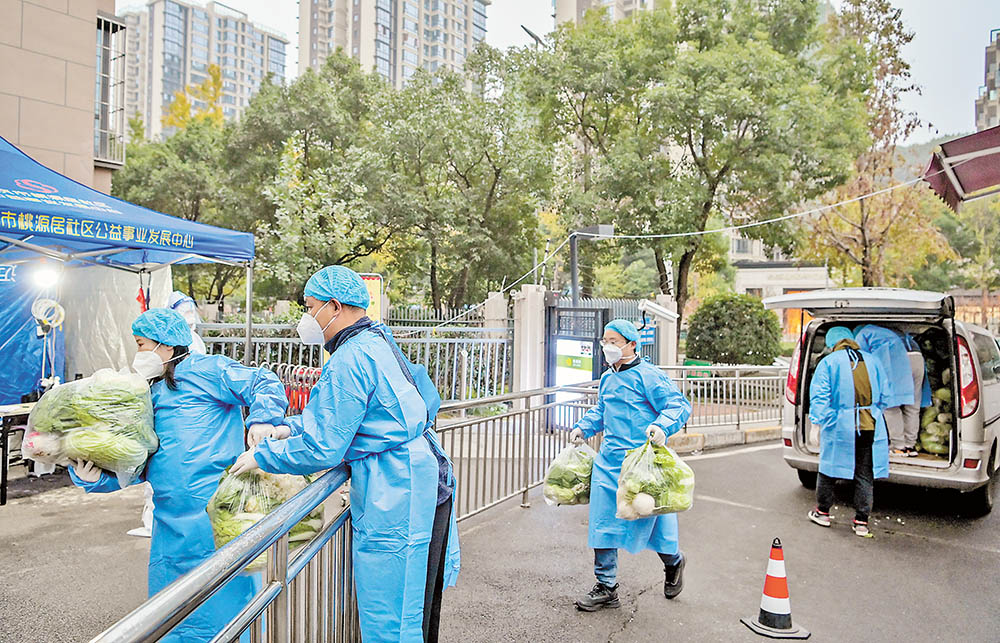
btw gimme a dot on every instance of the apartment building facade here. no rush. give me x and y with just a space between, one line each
391 37
574 10
172 43
988 103
62 85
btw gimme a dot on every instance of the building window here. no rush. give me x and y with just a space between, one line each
755 292
109 108
741 246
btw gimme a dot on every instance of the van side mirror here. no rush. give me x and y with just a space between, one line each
996 370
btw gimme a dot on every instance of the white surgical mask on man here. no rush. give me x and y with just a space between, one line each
612 353
309 329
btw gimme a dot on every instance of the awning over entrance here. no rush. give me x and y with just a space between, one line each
966 168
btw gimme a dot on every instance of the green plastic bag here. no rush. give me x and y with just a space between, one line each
654 480
567 482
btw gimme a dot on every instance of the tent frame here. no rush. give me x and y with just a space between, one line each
948 164
89 258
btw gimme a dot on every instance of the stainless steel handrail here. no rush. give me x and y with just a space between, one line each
157 616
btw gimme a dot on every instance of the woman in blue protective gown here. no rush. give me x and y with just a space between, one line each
374 410
636 401
197 402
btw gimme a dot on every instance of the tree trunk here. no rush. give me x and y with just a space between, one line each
683 271
867 269
983 306
435 289
662 271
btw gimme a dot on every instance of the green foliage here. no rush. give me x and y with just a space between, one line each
734 329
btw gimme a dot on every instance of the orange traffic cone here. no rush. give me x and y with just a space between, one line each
775 619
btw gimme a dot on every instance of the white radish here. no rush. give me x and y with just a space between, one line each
644 504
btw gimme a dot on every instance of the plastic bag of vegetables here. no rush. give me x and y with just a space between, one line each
241 501
654 480
567 482
106 418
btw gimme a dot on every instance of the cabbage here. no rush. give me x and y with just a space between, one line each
241 501
567 482
110 451
929 415
943 394
653 481
106 418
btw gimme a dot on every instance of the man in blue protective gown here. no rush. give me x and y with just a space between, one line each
374 410
847 396
636 401
901 389
197 411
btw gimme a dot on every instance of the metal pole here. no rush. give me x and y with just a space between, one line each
574 271
738 397
525 452
247 351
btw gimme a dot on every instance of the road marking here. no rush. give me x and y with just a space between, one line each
709 456
731 503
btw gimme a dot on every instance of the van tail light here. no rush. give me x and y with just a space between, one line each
792 383
787 441
971 463
967 380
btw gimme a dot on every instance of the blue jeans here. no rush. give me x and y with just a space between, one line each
606 564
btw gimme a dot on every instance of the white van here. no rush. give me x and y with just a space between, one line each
958 439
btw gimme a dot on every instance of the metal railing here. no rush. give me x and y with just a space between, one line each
501 447
731 395
307 595
465 362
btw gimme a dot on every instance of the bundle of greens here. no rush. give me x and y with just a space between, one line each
106 418
654 480
241 501
936 422
567 482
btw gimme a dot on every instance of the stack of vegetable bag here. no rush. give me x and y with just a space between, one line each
567 482
935 423
654 480
241 501
106 418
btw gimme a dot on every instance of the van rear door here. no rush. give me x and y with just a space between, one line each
887 303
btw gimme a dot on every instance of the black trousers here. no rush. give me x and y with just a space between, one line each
864 480
437 555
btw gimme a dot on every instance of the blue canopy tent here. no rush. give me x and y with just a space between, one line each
44 214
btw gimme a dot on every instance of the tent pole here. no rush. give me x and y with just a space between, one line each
247 349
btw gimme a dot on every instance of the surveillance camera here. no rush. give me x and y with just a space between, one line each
656 310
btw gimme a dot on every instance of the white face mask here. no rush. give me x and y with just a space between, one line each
309 329
149 364
612 353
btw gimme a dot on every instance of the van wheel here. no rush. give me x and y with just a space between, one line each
979 502
807 478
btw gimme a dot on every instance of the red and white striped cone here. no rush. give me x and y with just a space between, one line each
775 619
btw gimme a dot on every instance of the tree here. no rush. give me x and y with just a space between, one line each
870 232
981 263
729 110
734 329
473 174
204 98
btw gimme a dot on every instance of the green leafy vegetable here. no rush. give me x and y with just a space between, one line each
654 481
241 501
567 482
106 418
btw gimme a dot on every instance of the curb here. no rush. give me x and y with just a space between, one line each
691 442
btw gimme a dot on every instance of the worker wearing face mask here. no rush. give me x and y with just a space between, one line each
374 410
636 401
197 402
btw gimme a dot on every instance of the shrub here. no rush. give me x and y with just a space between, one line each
734 329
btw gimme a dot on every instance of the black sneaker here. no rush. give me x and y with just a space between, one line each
600 596
673 579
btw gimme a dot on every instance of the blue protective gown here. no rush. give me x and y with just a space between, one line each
832 408
201 432
627 403
888 347
364 411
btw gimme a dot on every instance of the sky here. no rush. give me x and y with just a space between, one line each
947 55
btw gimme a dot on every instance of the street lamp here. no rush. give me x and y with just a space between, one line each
594 233
534 36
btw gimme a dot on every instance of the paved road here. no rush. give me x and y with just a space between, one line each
68 570
926 576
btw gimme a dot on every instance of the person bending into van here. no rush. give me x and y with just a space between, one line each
847 397
889 348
